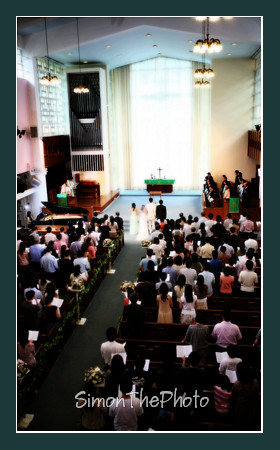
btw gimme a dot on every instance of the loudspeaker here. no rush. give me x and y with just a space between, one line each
33 132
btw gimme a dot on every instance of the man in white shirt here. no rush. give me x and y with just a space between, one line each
110 347
151 216
242 218
187 228
209 223
248 279
228 222
127 409
196 224
157 248
202 218
251 242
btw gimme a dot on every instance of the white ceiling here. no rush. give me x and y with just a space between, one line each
127 37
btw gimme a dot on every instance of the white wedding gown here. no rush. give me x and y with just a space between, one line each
143 233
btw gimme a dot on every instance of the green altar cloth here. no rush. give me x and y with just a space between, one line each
159 181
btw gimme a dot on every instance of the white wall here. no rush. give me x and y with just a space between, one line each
231 118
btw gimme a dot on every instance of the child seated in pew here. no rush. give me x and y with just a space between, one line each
222 395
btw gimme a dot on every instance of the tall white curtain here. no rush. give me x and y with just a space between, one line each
164 122
121 160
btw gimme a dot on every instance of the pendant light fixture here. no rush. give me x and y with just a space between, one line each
203 72
81 89
207 44
48 80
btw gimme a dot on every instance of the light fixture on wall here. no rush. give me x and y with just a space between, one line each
81 89
207 44
48 80
20 133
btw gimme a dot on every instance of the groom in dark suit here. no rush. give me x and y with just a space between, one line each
161 211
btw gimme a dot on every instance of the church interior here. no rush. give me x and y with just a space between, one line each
111 112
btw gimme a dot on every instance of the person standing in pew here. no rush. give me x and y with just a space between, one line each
226 282
231 361
226 333
172 271
248 279
163 277
31 311
251 242
209 278
164 302
119 220
197 335
145 291
110 347
134 317
187 305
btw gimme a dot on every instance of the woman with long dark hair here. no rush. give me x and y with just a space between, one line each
89 247
113 376
201 290
164 302
113 233
179 288
133 228
187 305
22 257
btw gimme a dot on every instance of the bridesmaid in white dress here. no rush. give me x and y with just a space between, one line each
133 229
143 233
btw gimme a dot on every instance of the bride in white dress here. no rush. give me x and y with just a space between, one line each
143 233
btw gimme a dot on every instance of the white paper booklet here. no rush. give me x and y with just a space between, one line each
57 302
220 356
33 335
232 375
183 350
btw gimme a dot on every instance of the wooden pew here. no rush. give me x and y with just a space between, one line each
156 350
212 316
176 331
234 303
